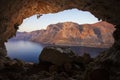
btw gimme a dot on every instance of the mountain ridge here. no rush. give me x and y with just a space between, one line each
70 33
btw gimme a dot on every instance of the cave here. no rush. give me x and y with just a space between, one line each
12 15
29 33
14 11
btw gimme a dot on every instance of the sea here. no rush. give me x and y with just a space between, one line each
30 51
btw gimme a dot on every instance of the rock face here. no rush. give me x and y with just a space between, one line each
14 11
3 51
69 33
56 55
99 74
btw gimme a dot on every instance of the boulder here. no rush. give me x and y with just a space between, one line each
56 55
87 58
67 67
53 68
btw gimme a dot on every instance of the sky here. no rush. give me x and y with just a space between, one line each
71 15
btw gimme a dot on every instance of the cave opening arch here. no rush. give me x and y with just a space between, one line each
13 13
75 22
10 11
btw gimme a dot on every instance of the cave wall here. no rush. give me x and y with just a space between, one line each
12 13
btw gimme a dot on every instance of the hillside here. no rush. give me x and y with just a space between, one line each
69 33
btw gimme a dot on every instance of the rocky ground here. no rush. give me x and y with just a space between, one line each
60 63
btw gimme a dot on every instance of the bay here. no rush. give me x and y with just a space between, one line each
30 51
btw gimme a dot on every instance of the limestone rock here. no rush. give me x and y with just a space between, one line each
13 12
56 55
70 33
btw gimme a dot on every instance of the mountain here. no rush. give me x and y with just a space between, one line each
21 36
69 33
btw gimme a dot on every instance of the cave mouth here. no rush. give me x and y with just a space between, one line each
28 25
41 21
14 11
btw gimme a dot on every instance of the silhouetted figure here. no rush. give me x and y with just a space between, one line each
38 16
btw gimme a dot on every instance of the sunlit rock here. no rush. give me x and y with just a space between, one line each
14 11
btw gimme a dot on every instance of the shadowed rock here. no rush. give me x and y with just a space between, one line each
99 74
56 55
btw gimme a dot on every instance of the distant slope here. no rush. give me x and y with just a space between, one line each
21 36
69 33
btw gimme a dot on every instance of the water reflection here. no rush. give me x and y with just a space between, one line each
30 51
24 50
